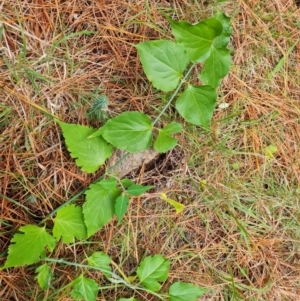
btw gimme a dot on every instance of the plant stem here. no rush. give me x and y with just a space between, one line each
120 271
115 278
63 205
73 198
174 94
122 159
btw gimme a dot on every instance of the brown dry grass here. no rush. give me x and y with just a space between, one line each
239 235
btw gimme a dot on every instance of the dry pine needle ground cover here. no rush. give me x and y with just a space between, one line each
239 234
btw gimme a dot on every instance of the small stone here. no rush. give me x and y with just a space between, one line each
131 161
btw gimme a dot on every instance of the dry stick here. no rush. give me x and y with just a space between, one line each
26 100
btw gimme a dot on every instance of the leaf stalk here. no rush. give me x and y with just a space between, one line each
174 94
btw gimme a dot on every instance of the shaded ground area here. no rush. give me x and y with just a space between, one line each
239 234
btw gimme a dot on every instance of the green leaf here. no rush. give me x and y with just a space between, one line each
196 39
196 104
180 291
44 276
121 206
270 150
282 61
173 127
29 247
216 67
128 299
98 209
69 224
110 183
235 166
223 40
131 131
102 261
84 288
153 269
90 153
126 182
164 141
137 190
178 206
163 62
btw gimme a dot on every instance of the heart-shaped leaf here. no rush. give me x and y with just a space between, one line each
216 67
131 131
164 141
180 291
196 39
163 62
84 288
222 40
196 104
153 269
101 261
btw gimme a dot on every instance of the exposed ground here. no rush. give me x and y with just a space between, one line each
239 235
